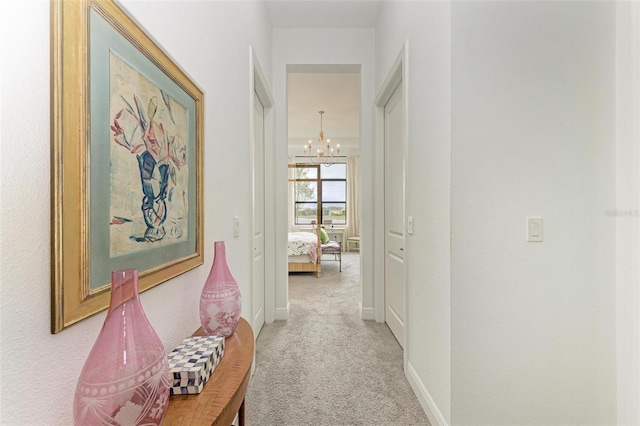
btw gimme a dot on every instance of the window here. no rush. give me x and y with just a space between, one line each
332 196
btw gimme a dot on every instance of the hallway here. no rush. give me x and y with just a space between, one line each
326 366
515 110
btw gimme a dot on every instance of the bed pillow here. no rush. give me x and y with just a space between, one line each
324 237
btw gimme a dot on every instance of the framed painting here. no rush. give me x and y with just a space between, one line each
127 142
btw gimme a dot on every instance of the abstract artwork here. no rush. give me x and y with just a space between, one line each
149 131
126 159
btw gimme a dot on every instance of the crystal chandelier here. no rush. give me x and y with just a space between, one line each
320 156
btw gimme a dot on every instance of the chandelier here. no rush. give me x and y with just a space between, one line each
320 156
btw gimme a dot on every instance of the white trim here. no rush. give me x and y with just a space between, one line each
378 219
366 313
398 74
259 85
394 77
282 314
405 170
424 397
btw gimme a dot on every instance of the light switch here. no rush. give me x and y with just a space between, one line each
410 225
534 229
236 226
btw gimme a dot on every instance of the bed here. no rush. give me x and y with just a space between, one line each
303 253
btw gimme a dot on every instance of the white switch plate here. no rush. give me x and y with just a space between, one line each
410 225
534 229
236 226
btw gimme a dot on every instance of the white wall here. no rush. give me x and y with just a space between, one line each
426 28
533 134
210 40
628 201
532 325
322 46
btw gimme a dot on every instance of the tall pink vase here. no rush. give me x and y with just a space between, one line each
125 380
220 302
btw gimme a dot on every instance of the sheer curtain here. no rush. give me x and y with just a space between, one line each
290 207
353 208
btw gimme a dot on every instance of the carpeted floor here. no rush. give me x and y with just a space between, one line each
326 366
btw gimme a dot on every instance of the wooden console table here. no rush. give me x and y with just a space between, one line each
223 395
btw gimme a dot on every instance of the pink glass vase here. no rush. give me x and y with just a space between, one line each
220 302
125 380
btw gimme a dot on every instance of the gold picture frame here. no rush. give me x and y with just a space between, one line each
126 159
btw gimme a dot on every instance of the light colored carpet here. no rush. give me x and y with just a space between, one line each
326 366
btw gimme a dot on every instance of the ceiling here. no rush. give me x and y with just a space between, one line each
334 89
323 13
335 93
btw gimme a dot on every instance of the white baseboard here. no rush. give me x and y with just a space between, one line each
428 404
282 314
366 313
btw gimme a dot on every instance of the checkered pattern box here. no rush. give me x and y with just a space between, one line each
192 362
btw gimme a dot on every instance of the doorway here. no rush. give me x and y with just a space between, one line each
263 209
258 279
394 268
390 255
334 92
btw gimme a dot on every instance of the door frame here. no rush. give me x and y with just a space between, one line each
395 238
258 84
397 74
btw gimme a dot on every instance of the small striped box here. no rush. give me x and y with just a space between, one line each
193 361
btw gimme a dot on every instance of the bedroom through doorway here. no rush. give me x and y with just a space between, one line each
323 133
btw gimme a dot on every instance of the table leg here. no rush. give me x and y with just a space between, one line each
241 414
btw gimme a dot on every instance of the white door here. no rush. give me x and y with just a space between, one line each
258 217
394 272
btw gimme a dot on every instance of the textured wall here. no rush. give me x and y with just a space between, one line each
533 134
210 40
